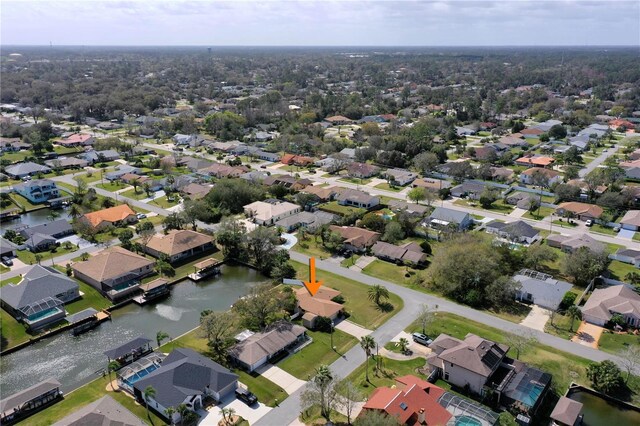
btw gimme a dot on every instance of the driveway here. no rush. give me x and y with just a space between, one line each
291 241
588 335
537 318
251 414
75 239
353 329
281 378
626 234
362 263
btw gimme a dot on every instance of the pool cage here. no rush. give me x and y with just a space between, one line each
131 373
466 412
41 308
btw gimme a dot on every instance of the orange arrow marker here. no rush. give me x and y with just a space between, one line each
312 285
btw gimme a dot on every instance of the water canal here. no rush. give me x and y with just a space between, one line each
75 360
36 217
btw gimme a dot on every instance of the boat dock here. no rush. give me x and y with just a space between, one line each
205 269
152 290
86 320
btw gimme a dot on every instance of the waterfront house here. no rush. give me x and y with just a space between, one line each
23 404
179 244
355 198
37 191
185 377
21 170
268 212
254 350
115 272
320 304
42 237
567 412
39 298
443 217
606 302
540 289
113 216
7 248
106 411
356 239
130 351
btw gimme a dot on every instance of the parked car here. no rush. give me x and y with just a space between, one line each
423 339
589 223
263 167
245 396
616 229
7 261
141 216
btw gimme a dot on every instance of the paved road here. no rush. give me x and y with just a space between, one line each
599 160
289 409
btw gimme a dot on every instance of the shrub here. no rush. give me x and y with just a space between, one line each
338 299
568 299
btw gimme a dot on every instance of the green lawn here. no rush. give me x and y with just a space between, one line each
111 186
396 274
616 343
357 304
135 195
636 236
91 298
350 261
15 157
13 332
620 269
164 203
22 202
539 214
498 206
355 181
83 396
602 230
564 224
312 248
303 364
334 207
385 186
29 257
386 377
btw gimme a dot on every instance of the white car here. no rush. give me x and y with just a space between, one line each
589 223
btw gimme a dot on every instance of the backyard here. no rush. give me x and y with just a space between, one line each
334 207
387 374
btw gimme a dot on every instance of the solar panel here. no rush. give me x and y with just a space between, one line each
403 406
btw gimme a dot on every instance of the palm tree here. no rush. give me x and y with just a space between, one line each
149 392
575 314
74 211
53 215
322 379
160 336
170 412
367 344
227 414
183 411
112 366
404 344
146 187
135 184
377 292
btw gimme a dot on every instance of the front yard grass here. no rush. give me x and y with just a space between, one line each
311 248
334 207
363 311
539 214
135 195
386 377
615 343
164 203
112 186
304 363
350 261
29 257
396 274
597 228
385 186
498 206
355 181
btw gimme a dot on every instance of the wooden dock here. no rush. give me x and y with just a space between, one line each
205 269
153 290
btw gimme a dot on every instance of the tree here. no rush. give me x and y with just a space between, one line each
574 313
112 366
348 397
227 415
231 195
160 336
216 327
632 278
605 376
517 126
146 187
403 343
584 265
426 317
259 308
149 393
537 254
417 194
487 197
125 237
373 222
375 418
231 236
502 291
566 192
393 232
135 185
164 268
367 344
74 212
520 342
630 359
558 131
261 244
170 411
173 221
321 391
426 162
377 292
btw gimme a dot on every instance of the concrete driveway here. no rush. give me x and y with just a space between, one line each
537 318
353 329
281 378
626 234
588 335
290 241
251 414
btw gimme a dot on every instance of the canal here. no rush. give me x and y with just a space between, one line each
36 217
75 360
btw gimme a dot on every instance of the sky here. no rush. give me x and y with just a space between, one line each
320 23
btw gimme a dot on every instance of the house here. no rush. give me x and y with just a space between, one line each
338 120
535 161
256 349
412 209
469 189
582 211
409 253
362 170
130 178
307 220
42 237
185 377
268 212
627 256
400 177
39 298
12 145
606 302
297 160
531 132
320 304
570 244
220 170
433 185
76 139
113 216
443 217
355 198
567 412
7 248
614 124
537 175
518 231
105 411
20 170
115 272
631 220
181 139
547 125
195 191
25 403
100 156
512 142
121 171
356 239
412 401
465 131
179 244
67 163
540 289
467 363
486 153
323 193
37 191
522 200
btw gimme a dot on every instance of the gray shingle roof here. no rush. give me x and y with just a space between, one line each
26 168
449 215
17 399
55 228
127 347
518 228
261 345
546 291
104 412
38 283
185 373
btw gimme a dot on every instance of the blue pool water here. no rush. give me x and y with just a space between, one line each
467 421
44 314
140 374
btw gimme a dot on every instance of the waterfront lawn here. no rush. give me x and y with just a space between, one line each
303 364
23 203
91 298
357 304
386 377
615 343
334 207
85 395
13 332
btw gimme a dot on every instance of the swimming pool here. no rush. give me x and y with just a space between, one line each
140 374
43 314
467 421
